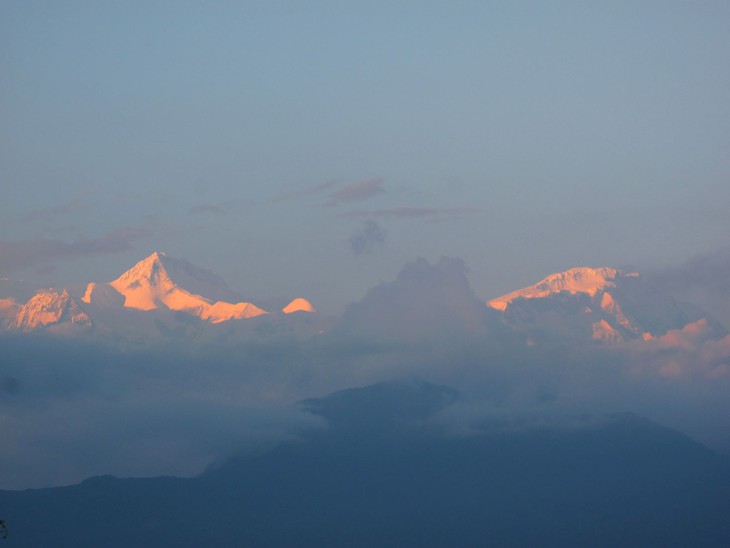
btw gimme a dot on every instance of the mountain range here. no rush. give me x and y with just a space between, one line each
159 297
382 474
162 297
602 304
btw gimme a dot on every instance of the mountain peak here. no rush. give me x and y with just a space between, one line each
576 280
50 307
161 281
298 305
159 274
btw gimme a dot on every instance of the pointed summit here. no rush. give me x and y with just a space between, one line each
162 272
160 281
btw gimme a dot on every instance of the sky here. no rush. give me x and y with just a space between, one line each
312 149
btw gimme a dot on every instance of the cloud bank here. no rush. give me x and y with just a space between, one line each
73 408
21 254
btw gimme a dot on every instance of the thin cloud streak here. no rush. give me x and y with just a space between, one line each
307 191
50 213
221 207
356 192
206 208
427 213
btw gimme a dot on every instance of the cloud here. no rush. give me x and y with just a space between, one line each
21 254
366 238
173 410
425 303
221 207
50 213
72 409
206 208
703 280
306 191
353 192
430 214
356 192
710 271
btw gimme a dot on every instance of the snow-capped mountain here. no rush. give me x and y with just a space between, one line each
573 281
603 304
160 281
51 308
162 298
143 303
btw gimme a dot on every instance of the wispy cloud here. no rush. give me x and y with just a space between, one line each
356 192
21 254
366 238
306 191
51 213
430 214
220 207
206 208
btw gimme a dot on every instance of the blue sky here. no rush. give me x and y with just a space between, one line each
264 140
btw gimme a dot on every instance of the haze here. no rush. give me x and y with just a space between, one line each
315 149
353 275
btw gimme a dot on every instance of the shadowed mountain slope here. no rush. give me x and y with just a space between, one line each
619 481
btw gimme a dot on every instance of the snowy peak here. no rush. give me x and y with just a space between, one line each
149 269
51 308
161 272
160 281
573 281
298 305
599 304
158 298
146 284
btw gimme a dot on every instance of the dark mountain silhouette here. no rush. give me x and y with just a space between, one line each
374 478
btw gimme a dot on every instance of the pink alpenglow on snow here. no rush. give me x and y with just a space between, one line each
298 305
153 283
575 280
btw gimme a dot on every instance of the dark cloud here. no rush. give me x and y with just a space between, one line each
20 254
356 192
426 213
425 302
366 238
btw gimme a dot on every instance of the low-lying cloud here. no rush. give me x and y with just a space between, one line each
70 409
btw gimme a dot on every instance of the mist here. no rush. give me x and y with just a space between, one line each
72 408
